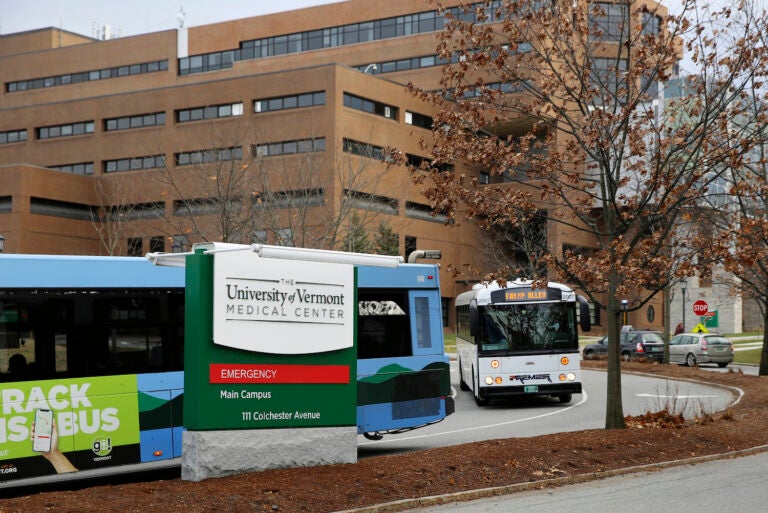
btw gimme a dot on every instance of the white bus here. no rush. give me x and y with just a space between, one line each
519 340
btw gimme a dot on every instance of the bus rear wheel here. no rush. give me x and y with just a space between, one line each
565 398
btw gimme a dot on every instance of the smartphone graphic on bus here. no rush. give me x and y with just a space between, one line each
41 442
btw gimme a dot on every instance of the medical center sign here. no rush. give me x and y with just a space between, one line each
282 307
281 350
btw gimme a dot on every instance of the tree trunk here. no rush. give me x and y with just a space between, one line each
614 411
763 371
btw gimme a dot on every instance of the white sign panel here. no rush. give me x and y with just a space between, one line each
276 306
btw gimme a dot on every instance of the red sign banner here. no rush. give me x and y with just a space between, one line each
258 374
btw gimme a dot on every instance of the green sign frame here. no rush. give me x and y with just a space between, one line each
233 388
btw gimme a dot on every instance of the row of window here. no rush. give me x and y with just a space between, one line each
219 111
12 136
79 168
424 61
132 164
138 121
289 147
208 156
610 21
225 110
370 106
607 22
331 37
86 76
80 128
186 158
293 101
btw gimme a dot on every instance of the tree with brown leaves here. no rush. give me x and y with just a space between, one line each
558 104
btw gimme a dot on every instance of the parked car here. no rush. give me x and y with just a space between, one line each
635 344
694 348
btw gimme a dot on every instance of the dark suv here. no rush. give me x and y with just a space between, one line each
635 344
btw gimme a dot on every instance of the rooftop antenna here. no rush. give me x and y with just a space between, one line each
181 15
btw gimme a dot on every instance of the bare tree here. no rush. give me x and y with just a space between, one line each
558 98
111 218
241 187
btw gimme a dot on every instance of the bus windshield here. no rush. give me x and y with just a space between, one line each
528 327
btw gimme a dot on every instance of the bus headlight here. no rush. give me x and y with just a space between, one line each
494 364
568 377
499 380
488 380
564 360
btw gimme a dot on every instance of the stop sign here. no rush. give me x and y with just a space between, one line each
700 307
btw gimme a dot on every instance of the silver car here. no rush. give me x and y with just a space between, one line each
694 348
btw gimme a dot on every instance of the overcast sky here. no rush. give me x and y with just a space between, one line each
132 17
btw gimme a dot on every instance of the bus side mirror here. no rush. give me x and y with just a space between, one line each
584 321
474 319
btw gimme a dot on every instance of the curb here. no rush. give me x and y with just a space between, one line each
483 493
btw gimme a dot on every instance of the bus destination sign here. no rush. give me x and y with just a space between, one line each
526 295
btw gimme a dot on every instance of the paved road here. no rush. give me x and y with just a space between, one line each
540 416
722 485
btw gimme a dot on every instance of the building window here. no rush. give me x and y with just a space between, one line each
180 244
224 110
289 147
12 136
137 121
419 120
157 244
66 209
6 204
284 237
51 132
445 305
370 106
418 162
372 202
259 237
289 102
423 212
410 246
188 158
196 207
135 246
86 76
364 149
134 163
80 168
609 21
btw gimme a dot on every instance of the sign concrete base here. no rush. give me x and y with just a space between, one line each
207 454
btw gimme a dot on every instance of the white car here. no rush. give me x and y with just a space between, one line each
694 348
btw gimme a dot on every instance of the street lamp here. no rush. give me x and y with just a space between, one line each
684 289
624 304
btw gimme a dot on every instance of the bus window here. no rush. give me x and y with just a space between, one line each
383 326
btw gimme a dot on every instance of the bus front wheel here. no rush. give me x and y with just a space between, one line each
565 398
480 398
462 384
